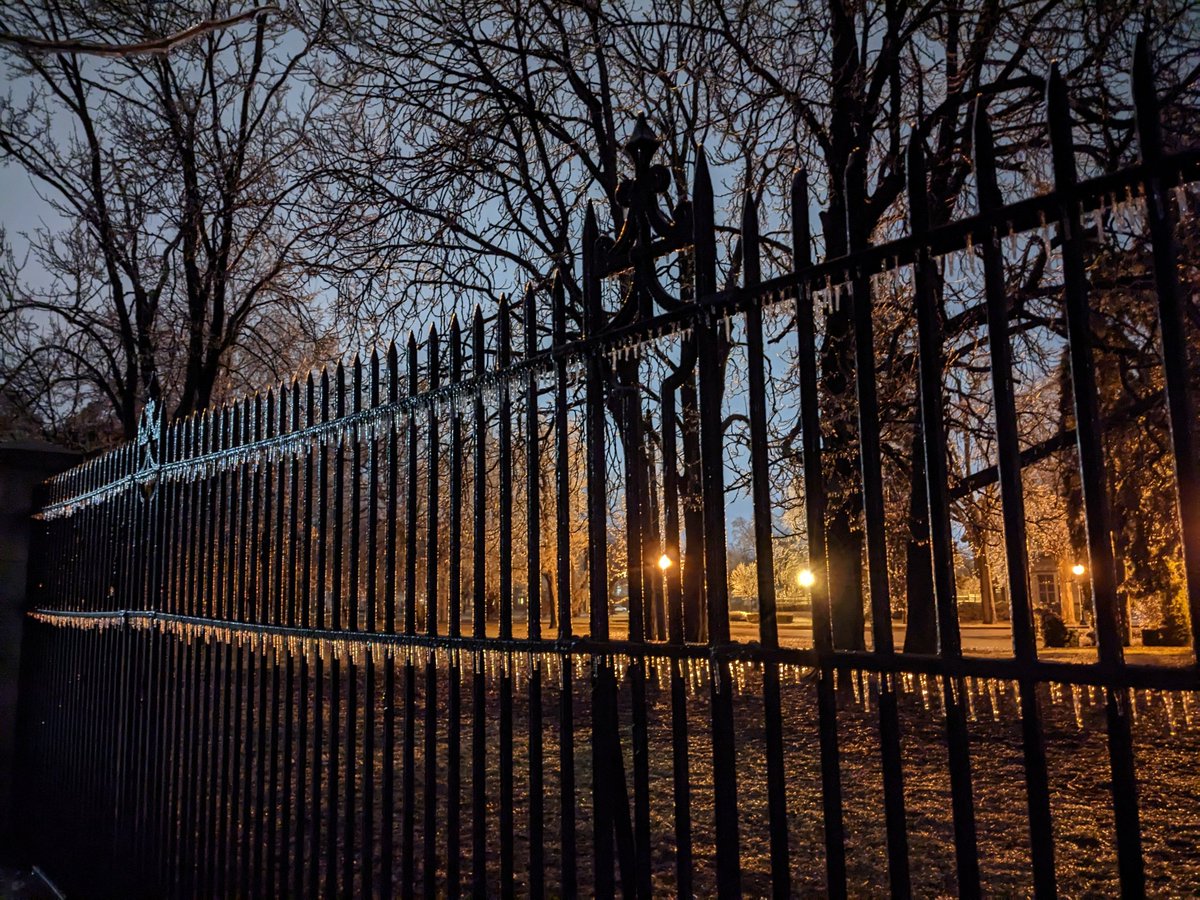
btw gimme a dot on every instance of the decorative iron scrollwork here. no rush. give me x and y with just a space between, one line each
651 230
149 429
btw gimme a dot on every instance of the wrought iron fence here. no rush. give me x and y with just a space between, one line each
245 619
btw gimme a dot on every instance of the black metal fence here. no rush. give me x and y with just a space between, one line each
245 620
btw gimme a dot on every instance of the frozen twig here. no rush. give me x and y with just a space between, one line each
156 46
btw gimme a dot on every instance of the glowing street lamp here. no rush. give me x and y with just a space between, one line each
805 578
1077 570
664 562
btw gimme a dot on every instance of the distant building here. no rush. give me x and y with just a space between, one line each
1053 586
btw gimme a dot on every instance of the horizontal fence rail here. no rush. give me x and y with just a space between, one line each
456 617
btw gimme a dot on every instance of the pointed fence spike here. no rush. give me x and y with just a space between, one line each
918 191
1145 102
642 144
530 315
357 384
593 311
393 370
985 158
286 399
801 226
590 228
340 385
310 394
1058 113
431 356
702 188
751 274
374 370
503 334
456 348
325 393
413 368
704 229
559 309
478 345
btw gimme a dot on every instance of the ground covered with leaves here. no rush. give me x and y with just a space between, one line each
1167 736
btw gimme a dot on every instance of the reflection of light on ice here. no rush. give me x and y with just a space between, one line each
698 674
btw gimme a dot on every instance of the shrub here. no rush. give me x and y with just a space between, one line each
1054 632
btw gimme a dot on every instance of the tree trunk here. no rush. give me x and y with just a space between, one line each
657 621
694 620
548 600
983 571
844 541
920 634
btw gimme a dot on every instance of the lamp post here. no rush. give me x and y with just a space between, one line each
806 579
1078 571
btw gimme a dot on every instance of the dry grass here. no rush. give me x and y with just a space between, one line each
1167 746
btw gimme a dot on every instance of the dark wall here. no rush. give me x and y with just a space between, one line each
23 467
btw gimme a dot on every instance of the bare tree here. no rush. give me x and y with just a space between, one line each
482 128
151 45
176 177
863 80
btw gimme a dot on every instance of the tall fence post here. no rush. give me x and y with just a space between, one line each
24 465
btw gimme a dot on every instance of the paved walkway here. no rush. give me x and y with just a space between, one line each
24 885
977 640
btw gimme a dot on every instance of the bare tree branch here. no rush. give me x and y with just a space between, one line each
155 47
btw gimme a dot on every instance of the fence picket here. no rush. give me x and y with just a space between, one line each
1172 327
563 564
1013 511
533 606
367 826
408 750
933 440
479 885
1096 506
768 627
350 786
454 599
712 456
433 501
814 511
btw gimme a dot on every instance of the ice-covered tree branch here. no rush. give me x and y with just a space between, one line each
156 46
